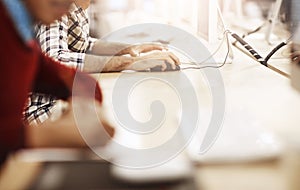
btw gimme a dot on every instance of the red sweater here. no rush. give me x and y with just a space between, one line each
23 69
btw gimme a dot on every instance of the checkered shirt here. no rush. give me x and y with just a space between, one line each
66 40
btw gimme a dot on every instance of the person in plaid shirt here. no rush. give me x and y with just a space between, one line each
67 40
25 68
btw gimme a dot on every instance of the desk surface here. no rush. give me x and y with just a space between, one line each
249 86
254 89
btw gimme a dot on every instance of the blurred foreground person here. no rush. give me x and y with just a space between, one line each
25 68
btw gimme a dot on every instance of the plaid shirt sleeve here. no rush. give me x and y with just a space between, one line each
38 109
54 42
67 40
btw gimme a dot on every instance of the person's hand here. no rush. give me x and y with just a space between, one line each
119 63
136 50
155 59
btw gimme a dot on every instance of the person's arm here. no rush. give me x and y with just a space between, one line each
95 63
53 40
101 47
62 82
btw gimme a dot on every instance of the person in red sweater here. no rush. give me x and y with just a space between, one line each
25 68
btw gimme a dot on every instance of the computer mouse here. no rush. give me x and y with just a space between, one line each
169 68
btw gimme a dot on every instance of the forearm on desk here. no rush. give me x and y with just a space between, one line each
93 63
102 47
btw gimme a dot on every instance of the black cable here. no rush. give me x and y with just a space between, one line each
263 61
254 31
251 32
274 50
260 59
254 53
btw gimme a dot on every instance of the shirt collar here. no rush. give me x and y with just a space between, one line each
21 19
